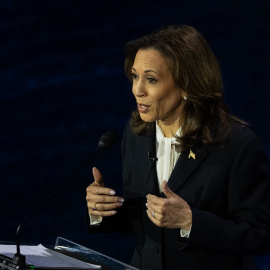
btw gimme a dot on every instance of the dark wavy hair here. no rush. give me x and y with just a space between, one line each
205 118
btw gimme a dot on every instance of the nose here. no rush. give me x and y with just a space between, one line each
138 89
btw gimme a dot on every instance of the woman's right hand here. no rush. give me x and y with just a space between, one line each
101 200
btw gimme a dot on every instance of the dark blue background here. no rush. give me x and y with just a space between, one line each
62 85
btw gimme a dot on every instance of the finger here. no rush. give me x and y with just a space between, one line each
102 209
166 190
103 206
103 199
152 199
152 208
98 177
94 189
152 217
107 213
157 219
156 212
103 213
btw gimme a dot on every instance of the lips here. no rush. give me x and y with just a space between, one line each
143 108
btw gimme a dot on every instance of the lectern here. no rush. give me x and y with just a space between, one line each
72 249
65 254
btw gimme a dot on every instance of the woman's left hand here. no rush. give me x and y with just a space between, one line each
171 212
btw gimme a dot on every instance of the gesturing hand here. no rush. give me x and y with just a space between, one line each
170 212
101 200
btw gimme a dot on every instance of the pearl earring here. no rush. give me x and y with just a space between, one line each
184 97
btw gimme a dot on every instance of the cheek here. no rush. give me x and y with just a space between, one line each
166 103
165 100
134 88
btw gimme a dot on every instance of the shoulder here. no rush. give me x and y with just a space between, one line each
241 142
241 134
244 143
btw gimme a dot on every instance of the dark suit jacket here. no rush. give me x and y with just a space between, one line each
227 190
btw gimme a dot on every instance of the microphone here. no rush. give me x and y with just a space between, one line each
107 140
18 262
151 158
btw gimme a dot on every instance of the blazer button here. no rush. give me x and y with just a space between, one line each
156 249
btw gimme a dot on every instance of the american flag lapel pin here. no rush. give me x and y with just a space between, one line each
191 154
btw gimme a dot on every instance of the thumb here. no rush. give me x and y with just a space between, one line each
166 190
98 177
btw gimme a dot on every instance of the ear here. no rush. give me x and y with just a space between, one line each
184 95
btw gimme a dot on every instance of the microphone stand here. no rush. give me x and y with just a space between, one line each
19 261
18 258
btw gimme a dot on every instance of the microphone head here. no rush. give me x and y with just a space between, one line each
107 140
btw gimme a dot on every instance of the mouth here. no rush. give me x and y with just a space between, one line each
142 108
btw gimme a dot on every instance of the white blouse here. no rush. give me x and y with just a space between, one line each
166 154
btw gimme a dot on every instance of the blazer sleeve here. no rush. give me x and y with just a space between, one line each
245 228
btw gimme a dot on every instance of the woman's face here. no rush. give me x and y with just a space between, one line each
157 96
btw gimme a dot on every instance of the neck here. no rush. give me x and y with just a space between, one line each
170 124
169 129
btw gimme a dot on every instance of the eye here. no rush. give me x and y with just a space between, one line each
133 76
151 80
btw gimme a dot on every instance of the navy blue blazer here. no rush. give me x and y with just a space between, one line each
228 192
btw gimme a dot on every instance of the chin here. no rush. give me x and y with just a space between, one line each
147 119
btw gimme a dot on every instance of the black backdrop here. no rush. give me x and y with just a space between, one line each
62 85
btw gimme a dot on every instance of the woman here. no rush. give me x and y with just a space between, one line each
196 186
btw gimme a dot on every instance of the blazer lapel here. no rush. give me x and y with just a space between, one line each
185 166
145 168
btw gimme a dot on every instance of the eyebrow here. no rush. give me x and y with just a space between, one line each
146 71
